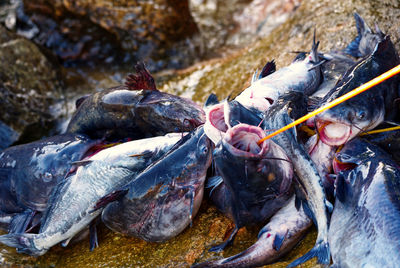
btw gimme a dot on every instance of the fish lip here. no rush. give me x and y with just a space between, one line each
233 139
321 126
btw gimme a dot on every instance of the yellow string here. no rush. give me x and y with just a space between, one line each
380 130
337 101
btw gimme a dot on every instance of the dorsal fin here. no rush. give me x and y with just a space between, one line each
268 69
142 79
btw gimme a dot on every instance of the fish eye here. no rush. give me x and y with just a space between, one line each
204 150
360 114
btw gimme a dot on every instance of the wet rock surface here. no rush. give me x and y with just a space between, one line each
29 85
335 28
88 31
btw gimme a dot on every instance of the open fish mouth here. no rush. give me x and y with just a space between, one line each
217 118
333 133
243 140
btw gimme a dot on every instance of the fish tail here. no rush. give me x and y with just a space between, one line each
320 250
23 242
314 51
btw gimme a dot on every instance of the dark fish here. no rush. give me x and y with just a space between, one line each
258 177
367 110
283 112
78 199
339 62
136 110
365 224
304 75
29 172
162 200
284 230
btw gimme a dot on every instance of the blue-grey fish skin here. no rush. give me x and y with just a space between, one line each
258 182
365 224
303 75
29 172
366 110
135 110
72 205
284 111
162 200
284 230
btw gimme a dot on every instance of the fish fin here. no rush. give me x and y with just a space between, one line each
301 56
221 247
211 100
93 241
105 200
328 205
82 163
269 68
308 212
320 250
300 193
278 240
297 203
23 242
341 188
65 242
213 183
142 79
79 101
20 222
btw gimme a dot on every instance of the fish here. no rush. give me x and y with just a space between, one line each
304 74
223 115
388 141
284 111
258 177
29 172
163 199
363 112
338 62
77 200
322 155
134 110
367 204
281 234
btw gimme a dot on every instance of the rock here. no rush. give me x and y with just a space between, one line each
240 22
156 31
29 85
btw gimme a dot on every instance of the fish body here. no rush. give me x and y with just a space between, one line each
282 233
136 110
367 110
304 75
367 204
162 200
283 112
29 173
74 202
258 177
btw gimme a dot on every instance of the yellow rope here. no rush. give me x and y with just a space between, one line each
337 101
380 130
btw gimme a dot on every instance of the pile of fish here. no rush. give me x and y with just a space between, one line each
139 160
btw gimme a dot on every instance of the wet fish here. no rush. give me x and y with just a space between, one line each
304 75
162 200
284 230
29 172
367 205
258 177
388 141
221 116
363 112
283 112
322 155
78 199
136 110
